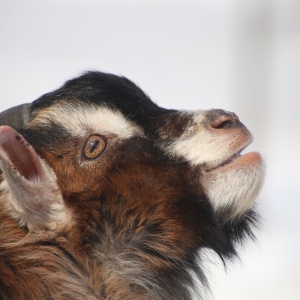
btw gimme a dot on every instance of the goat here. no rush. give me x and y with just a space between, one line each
106 195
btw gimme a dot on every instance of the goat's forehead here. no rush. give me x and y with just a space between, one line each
78 120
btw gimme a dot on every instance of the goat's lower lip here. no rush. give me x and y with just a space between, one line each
237 161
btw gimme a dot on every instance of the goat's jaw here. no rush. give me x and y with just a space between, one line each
236 184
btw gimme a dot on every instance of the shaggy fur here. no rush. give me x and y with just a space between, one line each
130 223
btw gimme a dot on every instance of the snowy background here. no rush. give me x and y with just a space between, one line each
240 55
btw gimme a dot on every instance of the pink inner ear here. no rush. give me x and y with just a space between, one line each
18 153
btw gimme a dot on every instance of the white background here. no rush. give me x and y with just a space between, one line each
239 55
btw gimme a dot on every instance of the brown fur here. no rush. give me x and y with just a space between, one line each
67 265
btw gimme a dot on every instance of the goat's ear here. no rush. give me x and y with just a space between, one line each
29 188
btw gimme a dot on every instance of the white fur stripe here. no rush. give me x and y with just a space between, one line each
78 120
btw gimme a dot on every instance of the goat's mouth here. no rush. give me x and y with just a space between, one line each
234 160
225 163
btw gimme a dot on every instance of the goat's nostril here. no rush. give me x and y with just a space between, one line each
222 124
220 119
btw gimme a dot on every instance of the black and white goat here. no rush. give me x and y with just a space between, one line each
105 195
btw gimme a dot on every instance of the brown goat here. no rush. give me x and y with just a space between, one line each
105 195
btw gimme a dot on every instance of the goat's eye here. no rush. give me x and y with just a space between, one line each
94 146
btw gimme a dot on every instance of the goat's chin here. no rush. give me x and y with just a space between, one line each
236 184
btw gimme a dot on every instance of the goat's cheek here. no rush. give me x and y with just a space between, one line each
65 168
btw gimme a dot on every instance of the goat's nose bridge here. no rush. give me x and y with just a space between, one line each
220 119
